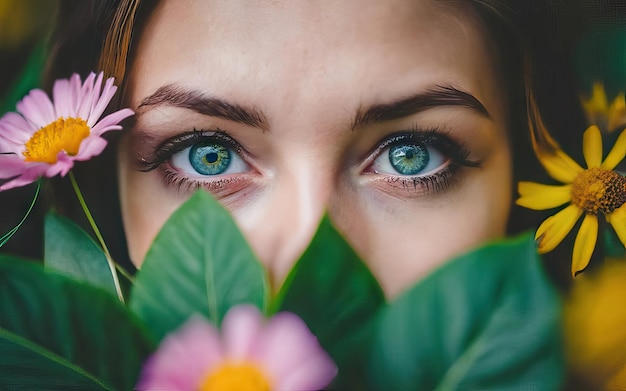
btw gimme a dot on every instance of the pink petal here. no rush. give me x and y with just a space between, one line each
11 166
36 108
63 165
9 146
17 182
86 96
315 375
61 96
19 123
45 106
108 123
240 330
11 139
103 101
29 176
11 130
293 355
90 147
74 94
184 358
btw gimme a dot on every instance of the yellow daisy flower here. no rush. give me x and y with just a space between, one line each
598 111
593 319
590 192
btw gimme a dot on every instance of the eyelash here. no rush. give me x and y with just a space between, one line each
416 185
419 185
176 144
221 187
217 187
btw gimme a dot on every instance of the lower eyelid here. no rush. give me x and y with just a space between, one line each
219 187
414 186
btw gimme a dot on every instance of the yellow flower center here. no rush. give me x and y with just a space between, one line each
63 135
239 377
598 190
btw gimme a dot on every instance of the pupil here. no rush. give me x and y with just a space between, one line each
211 157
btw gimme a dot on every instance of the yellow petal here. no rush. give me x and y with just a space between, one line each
539 197
617 153
596 106
594 317
592 146
617 113
618 221
617 381
585 243
555 228
560 166
597 103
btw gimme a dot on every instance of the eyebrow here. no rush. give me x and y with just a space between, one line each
172 95
434 97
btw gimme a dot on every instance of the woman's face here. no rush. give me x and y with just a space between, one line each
390 116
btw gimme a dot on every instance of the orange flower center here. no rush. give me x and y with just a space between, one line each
63 135
598 190
239 377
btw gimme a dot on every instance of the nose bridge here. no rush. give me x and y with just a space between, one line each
304 168
295 206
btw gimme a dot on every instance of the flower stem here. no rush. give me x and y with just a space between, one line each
92 222
5 238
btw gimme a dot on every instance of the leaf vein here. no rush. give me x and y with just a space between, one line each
29 345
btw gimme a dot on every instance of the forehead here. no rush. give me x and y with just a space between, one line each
298 48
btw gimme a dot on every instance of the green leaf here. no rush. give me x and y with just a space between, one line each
488 320
198 263
334 292
59 334
69 250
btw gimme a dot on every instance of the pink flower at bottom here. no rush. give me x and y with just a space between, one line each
45 137
249 354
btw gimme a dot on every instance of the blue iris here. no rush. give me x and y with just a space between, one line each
209 159
409 159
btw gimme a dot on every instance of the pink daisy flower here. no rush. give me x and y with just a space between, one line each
250 354
45 137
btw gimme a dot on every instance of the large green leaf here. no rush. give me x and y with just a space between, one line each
334 292
59 334
69 250
488 320
199 263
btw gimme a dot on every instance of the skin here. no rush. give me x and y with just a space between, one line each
309 67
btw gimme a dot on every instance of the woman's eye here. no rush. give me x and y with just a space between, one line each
409 159
208 159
